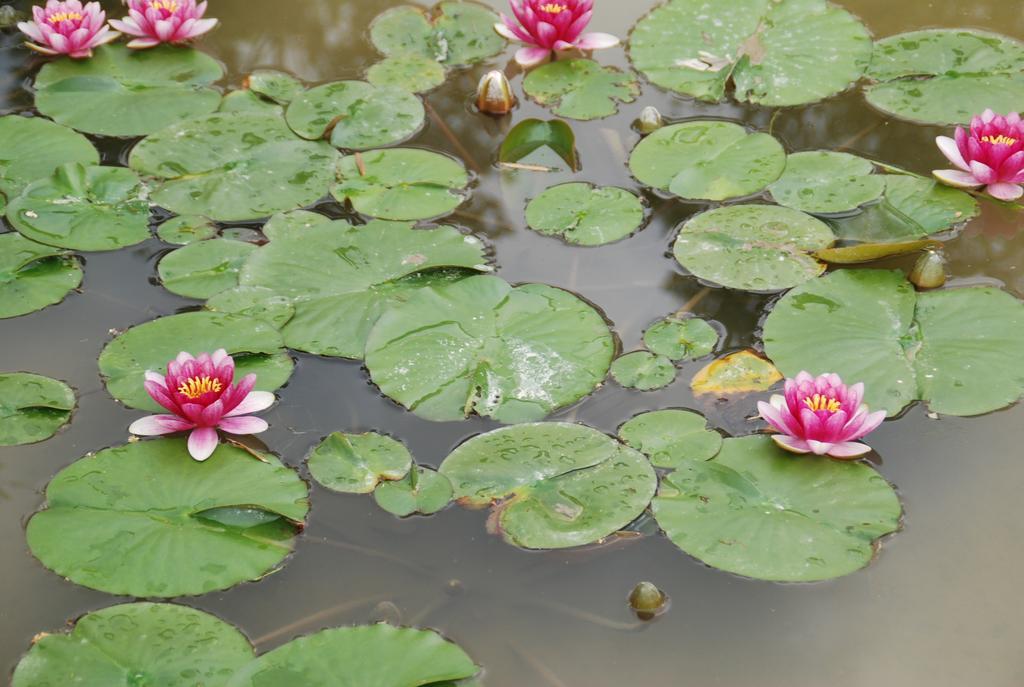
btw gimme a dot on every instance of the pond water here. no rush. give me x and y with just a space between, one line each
941 606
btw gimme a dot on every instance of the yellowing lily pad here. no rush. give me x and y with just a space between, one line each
743 372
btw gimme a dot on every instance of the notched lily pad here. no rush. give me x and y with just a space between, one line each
357 463
825 181
671 437
552 485
204 526
83 208
707 160
580 89
584 214
33 148
758 511
32 407
743 372
681 338
455 34
137 643
479 345
33 276
643 370
423 490
753 247
204 268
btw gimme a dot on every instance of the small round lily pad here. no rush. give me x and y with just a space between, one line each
681 338
580 89
412 73
452 33
584 214
33 276
753 247
186 229
671 437
643 370
357 463
423 490
204 268
825 181
32 407
281 87
356 115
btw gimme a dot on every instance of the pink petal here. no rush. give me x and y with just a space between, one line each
952 152
871 423
155 425
848 450
1011 166
202 442
246 424
988 115
546 34
30 29
820 448
1005 191
983 173
254 402
143 43
202 26
596 41
791 444
956 178
531 57
213 413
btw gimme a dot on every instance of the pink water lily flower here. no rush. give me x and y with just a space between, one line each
199 393
163 21
67 28
991 154
551 25
821 415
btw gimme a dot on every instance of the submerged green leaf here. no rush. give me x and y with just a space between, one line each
32 407
671 437
33 276
580 89
584 214
357 463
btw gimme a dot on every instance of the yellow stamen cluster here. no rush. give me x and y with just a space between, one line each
64 16
999 140
553 8
818 402
169 5
194 387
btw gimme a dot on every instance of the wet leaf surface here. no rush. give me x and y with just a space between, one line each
671 437
412 73
643 370
357 463
580 89
585 215
280 87
681 338
356 115
32 407
454 34
823 181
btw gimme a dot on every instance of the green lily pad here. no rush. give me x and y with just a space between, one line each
402 183
146 520
707 160
584 214
247 101
340 278
455 34
371 656
758 511
124 92
552 485
357 463
33 276
33 148
753 247
479 345
581 89
204 268
254 301
912 207
356 115
956 349
32 407
292 224
255 345
945 76
138 644
83 208
186 229
671 437
280 87
643 370
824 181
777 52
234 166
412 73
422 491
681 339
532 137
742 372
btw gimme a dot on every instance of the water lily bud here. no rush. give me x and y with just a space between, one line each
930 270
494 94
647 601
650 120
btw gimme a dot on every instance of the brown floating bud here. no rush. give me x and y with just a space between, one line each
647 601
650 121
930 270
494 94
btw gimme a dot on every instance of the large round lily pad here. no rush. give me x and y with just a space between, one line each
137 644
945 76
671 437
204 268
362 656
255 345
356 115
753 247
552 485
452 33
33 148
357 463
777 52
83 208
956 349
585 215
402 183
124 92
643 370
580 89
146 520
679 338
234 166
32 407
480 345
824 181
707 160
340 278
758 511
33 276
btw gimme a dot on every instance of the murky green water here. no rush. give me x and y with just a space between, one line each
942 605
